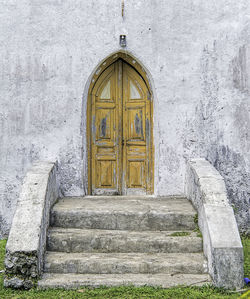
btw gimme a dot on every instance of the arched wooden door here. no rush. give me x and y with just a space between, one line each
120 131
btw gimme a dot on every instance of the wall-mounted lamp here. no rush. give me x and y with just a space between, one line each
123 42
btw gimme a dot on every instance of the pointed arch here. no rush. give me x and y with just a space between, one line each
133 62
113 58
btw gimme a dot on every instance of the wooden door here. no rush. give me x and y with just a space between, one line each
121 133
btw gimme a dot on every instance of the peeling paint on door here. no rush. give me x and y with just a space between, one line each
121 154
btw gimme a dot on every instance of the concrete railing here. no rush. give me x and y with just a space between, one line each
27 239
221 240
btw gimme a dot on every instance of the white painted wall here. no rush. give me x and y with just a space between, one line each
197 54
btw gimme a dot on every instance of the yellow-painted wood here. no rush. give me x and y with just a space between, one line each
120 132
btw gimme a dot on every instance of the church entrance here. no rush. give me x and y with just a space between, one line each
120 133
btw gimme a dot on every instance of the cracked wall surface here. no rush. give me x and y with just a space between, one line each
197 57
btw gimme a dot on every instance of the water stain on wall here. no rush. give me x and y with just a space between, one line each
239 69
232 167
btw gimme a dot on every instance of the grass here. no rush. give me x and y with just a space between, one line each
197 230
180 234
122 293
129 292
246 245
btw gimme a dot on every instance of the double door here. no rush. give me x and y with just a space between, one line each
121 133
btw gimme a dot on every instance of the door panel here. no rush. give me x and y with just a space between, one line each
105 173
104 121
135 123
136 174
104 147
121 138
134 130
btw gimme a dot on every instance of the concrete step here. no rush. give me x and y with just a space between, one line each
124 213
73 281
121 263
92 240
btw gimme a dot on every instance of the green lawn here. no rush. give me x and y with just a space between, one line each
124 292
246 246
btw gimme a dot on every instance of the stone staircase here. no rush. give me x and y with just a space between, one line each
112 241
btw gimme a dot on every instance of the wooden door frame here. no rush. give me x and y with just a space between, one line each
104 65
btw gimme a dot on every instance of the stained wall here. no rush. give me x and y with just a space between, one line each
197 57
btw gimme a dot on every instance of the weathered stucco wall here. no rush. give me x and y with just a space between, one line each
196 53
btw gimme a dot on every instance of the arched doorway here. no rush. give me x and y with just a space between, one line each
120 132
